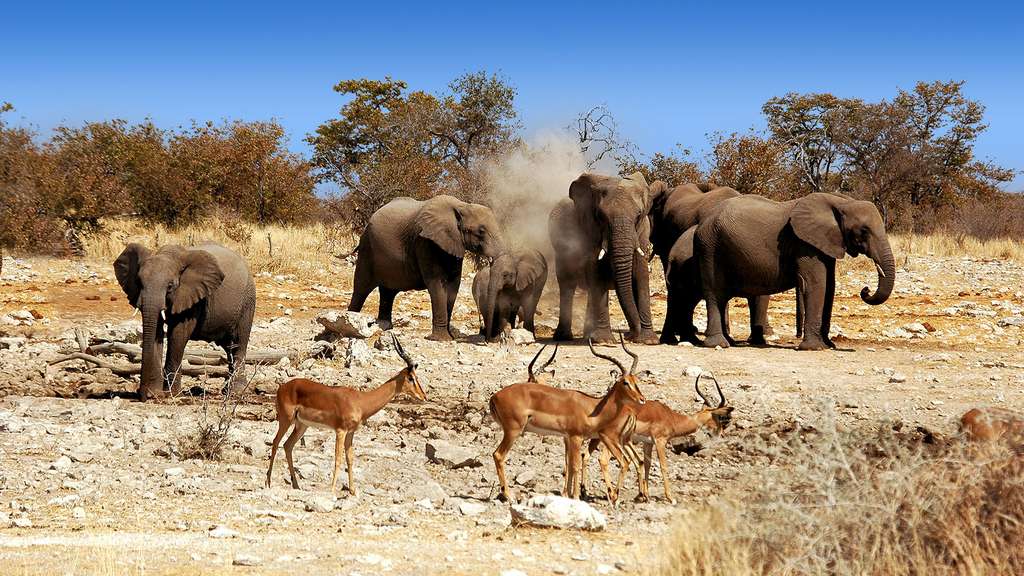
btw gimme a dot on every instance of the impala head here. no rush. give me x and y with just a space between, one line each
716 417
627 379
408 382
532 376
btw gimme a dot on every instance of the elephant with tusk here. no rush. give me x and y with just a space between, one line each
199 293
753 246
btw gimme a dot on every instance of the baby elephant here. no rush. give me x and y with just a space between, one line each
510 287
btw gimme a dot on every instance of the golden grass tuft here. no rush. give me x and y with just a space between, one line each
275 249
861 502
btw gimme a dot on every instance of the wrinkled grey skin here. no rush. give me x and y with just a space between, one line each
412 244
674 212
753 246
604 213
511 287
202 293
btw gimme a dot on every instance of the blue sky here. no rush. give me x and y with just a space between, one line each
669 72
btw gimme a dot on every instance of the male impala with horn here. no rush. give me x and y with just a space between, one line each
573 415
305 403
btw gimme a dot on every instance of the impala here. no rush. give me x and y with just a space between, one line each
992 424
654 424
573 415
305 403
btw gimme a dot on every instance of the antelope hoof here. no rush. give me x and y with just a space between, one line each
640 498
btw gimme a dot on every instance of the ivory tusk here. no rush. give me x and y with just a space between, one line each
880 272
640 251
163 316
601 254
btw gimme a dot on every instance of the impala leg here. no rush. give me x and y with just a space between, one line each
339 439
603 459
645 487
349 459
282 427
575 446
567 477
663 462
500 453
289 444
616 451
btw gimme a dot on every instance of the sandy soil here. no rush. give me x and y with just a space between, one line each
94 486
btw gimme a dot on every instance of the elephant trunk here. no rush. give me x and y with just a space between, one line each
150 381
881 253
623 245
493 321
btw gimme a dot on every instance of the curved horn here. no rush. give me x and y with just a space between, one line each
608 358
401 352
636 359
719 388
696 385
550 360
529 367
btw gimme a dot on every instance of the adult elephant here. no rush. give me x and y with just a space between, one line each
753 246
200 293
675 213
415 244
601 237
510 287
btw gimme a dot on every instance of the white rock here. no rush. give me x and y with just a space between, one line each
348 324
172 472
78 512
246 560
915 328
450 455
513 572
357 354
321 504
693 371
22 523
897 378
472 508
222 532
522 336
546 510
62 463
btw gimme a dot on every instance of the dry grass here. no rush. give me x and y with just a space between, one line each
958 245
868 502
274 249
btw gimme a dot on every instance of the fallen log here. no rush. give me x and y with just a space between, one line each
199 357
123 370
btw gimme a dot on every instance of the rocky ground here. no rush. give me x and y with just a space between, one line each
98 485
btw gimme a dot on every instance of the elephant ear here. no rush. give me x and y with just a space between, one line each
126 269
816 220
199 278
439 222
658 194
529 269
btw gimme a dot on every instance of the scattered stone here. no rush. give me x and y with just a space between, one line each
222 532
513 572
546 510
60 464
78 513
1012 321
320 504
172 472
897 378
693 371
357 354
450 455
522 337
348 324
246 560
526 478
468 508
429 489
22 522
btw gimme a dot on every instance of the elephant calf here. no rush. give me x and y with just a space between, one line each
200 293
510 287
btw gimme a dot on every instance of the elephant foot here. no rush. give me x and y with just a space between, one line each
440 335
811 344
668 338
716 340
757 340
602 336
828 342
384 324
767 330
563 334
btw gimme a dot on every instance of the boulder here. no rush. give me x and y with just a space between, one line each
522 337
320 504
549 511
348 324
357 354
450 455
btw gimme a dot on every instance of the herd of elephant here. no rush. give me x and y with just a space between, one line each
714 245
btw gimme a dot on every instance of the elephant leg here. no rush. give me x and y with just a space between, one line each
758 324
715 333
566 292
529 313
363 283
598 324
812 270
642 294
830 295
727 323
387 304
237 379
684 316
438 291
668 329
799 307
452 288
177 338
